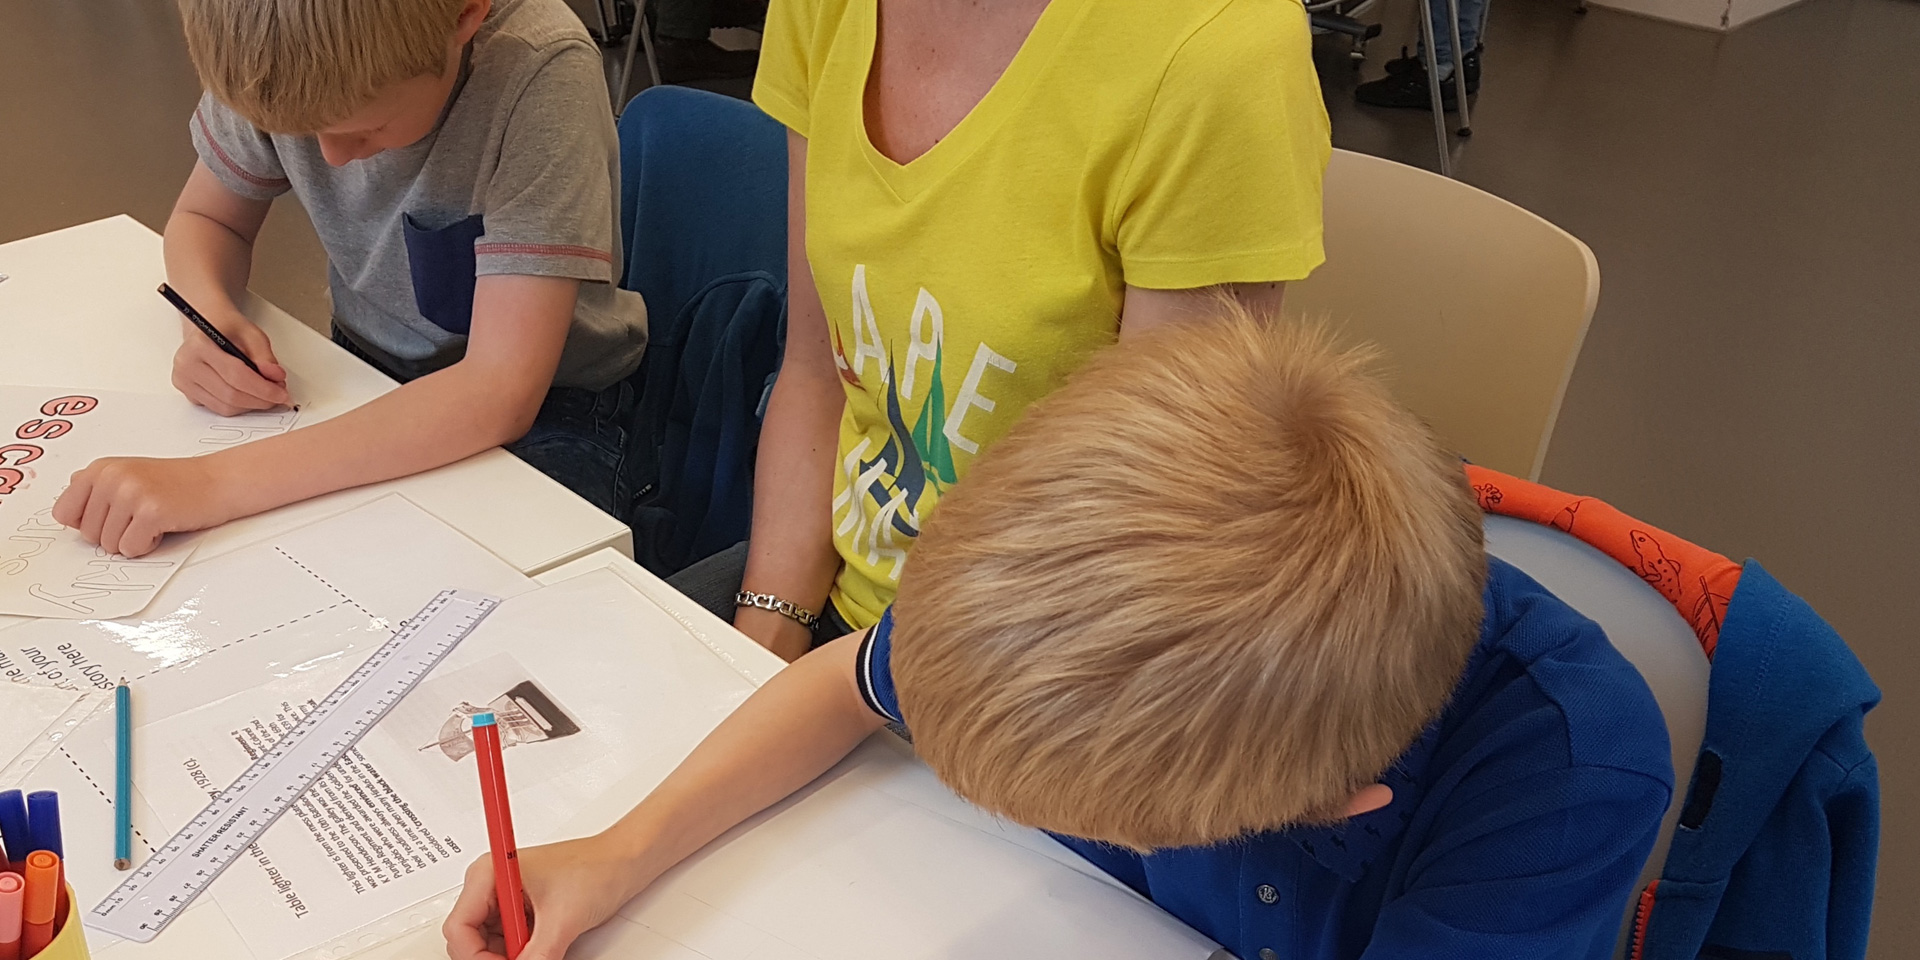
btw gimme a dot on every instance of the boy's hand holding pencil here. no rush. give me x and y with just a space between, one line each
572 887
127 504
207 370
223 384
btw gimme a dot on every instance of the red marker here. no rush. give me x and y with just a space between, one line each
506 858
39 903
12 892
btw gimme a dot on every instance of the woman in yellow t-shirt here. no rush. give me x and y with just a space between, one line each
981 195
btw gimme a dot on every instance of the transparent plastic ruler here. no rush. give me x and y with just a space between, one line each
163 886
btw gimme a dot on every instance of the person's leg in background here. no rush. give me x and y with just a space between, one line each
1473 25
582 439
1405 84
715 581
684 49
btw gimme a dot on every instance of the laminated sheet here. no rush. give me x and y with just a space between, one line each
46 435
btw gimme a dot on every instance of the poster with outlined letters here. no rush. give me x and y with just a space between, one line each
49 433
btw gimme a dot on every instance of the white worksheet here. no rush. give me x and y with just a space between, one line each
49 433
588 689
264 618
601 692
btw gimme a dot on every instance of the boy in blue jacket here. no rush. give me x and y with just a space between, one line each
1217 615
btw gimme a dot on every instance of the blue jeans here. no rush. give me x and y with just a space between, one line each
1473 17
580 438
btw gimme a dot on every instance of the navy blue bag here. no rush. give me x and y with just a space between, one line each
703 213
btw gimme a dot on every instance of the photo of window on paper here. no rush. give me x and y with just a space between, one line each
525 715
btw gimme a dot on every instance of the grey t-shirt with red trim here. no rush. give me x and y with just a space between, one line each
521 176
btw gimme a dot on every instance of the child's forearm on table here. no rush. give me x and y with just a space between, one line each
433 421
805 720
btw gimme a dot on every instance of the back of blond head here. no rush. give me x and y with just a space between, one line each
1215 585
297 66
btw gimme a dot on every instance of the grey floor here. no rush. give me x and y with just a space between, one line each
1750 378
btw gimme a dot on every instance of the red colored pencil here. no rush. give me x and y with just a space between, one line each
506 857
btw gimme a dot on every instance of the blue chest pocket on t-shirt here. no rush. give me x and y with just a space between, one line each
443 269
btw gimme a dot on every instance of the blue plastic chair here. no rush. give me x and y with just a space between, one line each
703 194
703 215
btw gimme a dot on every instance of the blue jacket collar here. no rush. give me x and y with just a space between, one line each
1347 847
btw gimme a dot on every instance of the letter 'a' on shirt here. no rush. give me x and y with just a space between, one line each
1158 144
526 142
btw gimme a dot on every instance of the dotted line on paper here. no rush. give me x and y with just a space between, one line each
342 594
345 601
257 633
137 835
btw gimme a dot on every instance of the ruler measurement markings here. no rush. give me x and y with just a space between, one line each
232 821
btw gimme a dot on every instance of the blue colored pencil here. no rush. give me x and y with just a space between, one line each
122 777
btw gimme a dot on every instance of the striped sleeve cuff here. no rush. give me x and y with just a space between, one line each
873 669
231 172
543 260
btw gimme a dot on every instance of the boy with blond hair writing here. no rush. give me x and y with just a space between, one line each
1218 615
458 160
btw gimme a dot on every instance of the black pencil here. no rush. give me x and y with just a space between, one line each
213 333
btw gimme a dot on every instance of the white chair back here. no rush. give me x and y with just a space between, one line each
1643 626
1478 305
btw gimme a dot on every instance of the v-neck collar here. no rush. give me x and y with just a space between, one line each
907 180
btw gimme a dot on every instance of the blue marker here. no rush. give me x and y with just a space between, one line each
43 823
13 826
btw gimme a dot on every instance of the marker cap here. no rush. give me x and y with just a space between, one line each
43 887
13 824
43 822
483 719
12 894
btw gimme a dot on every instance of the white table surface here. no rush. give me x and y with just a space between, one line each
618 938
204 931
79 310
755 662
80 305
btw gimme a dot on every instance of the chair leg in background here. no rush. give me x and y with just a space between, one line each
1459 67
1433 90
646 41
638 40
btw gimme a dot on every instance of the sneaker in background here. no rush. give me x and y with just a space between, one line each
1405 85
